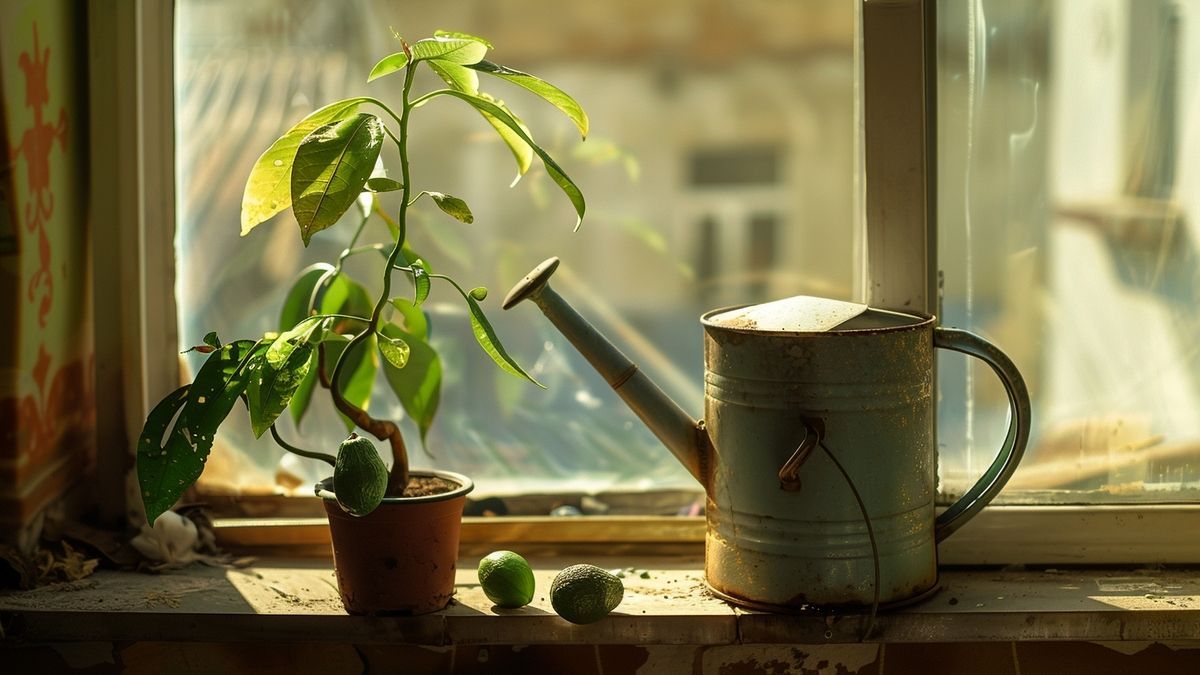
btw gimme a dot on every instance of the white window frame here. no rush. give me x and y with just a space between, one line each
131 45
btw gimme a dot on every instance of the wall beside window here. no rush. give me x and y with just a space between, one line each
47 413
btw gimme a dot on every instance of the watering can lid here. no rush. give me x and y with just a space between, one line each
797 314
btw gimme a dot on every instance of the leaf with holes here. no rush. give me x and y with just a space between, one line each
269 187
548 92
270 388
559 176
331 168
178 434
453 207
418 384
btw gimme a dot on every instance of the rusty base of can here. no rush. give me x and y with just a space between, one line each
823 610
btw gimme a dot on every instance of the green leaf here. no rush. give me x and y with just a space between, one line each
463 36
304 391
449 49
331 167
211 339
479 293
269 187
420 281
415 321
459 77
383 185
296 305
548 92
556 173
485 335
388 65
271 388
289 340
358 375
394 349
178 434
521 150
418 385
453 207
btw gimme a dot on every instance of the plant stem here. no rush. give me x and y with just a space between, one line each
311 454
383 429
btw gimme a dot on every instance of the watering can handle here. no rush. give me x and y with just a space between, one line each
1005 464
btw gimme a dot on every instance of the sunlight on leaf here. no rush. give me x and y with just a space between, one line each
485 335
559 176
331 167
453 207
394 349
388 65
269 187
548 92
449 49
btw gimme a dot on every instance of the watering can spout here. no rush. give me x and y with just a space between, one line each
683 436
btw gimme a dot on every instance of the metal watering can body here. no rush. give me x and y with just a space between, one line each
817 451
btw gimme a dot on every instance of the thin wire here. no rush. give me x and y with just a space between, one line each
870 534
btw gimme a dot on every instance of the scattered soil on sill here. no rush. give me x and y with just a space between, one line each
424 486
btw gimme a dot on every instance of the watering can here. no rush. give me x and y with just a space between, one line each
817 451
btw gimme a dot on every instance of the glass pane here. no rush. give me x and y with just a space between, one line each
719 170
1067 193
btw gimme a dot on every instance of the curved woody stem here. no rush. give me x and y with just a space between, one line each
383 430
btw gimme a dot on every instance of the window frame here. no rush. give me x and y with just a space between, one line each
133 135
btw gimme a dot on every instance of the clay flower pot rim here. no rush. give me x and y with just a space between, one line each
324 489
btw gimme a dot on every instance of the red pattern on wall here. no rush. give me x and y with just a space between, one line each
36 144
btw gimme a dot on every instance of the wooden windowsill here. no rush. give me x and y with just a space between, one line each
296 600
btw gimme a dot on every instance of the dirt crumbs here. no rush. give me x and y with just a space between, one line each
424 486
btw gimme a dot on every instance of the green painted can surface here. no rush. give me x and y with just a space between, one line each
865 389
829 395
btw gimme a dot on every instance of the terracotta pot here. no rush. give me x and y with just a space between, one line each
400 558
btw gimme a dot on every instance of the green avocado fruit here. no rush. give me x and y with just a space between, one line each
359 476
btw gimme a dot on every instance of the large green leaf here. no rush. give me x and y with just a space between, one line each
302 397
331 167
559 176
449 49
178 434
342 295
271 388
457 76
418 384
464 36
550 93
269 187
414 319
486 336
296 305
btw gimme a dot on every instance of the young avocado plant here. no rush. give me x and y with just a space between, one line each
323 166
